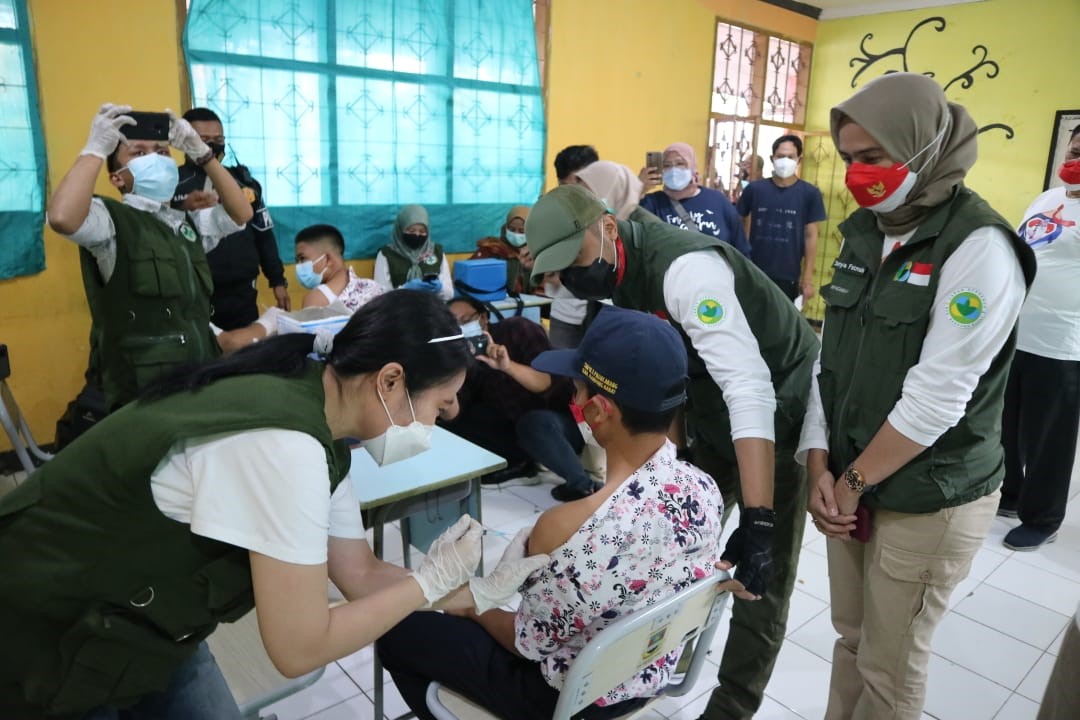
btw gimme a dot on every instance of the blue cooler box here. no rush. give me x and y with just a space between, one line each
483 279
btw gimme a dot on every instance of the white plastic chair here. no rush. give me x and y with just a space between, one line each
621 651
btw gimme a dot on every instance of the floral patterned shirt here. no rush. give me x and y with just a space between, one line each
656 534
357 292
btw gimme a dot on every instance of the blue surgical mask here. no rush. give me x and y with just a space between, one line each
514 238
153 176
677 178
305 273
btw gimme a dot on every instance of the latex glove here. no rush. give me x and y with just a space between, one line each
503 582
269 320
451 560
426 285
184 138
750 548
105 132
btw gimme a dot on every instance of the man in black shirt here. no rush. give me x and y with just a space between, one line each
236 261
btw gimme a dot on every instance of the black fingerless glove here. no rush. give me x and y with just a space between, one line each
750 548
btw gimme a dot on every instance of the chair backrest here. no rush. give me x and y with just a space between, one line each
630 644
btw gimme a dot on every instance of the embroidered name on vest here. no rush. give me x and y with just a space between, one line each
849 267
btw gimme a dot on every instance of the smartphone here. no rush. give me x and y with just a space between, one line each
863 518
149 126
431 278
478 343
655 161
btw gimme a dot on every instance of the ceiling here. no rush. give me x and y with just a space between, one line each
831 9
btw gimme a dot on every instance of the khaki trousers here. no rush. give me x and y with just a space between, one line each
887 596
1061 701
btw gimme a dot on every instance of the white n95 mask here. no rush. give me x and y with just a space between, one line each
399 442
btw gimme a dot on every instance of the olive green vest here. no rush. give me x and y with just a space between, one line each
103 596
875 323
153 315
786 341
399 265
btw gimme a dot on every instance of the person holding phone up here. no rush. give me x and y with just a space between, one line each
144 264
904 417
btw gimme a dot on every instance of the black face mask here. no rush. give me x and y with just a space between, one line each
218 149
592 282
414 240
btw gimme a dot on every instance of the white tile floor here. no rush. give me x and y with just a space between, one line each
992 652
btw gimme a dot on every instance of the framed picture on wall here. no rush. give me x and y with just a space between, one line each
1064 122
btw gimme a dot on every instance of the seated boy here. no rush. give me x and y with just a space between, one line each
650 531
321 268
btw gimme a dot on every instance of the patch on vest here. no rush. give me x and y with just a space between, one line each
187 232
709 311
966 307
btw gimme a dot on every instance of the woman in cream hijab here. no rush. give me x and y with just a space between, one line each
902 435
617 187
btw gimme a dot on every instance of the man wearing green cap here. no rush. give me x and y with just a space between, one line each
751 355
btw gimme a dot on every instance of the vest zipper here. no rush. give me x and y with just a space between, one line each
199 337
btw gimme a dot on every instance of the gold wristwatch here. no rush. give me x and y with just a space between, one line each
854 479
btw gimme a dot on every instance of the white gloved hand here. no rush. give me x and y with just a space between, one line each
269 320
105 132
503 582
451 560
184 138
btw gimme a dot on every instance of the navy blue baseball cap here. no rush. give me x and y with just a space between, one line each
635 358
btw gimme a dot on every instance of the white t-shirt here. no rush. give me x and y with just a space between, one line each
1050 318
265 490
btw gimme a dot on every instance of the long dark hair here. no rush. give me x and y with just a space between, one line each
394 327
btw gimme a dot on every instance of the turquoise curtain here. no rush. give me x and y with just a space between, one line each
345 110
22 149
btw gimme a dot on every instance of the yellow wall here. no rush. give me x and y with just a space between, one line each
628 76
1033 49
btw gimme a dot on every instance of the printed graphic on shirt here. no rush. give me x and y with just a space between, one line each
262 220
966 307
914 273
1043 229
709 311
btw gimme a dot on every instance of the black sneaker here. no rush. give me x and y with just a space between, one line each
525 468
1026 538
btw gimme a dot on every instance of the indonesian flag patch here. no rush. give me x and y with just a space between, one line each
914 273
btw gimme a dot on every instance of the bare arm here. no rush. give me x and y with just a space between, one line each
70 202
498 357
756 460
301 633
232 197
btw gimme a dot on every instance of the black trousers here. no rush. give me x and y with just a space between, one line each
1039 428
459 654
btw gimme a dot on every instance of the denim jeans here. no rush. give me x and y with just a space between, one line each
552 439
197 692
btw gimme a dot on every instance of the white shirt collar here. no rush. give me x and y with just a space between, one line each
173 218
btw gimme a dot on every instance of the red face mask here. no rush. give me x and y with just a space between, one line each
881 189
1070 174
